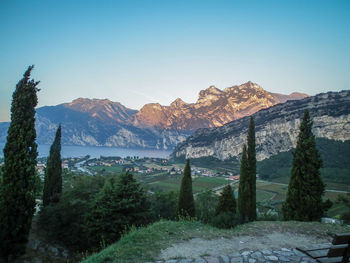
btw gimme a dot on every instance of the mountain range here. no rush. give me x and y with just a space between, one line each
276 127
101 122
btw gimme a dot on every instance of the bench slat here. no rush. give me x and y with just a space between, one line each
341 239
337 251
318 253
330 260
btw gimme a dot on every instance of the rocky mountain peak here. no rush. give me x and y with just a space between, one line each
103 109
213 108
178 103
209 94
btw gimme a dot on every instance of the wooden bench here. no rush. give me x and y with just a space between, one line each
337 252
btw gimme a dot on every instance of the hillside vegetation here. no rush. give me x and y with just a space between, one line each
335 171
146 243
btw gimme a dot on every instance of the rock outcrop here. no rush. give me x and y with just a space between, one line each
276 128
213 108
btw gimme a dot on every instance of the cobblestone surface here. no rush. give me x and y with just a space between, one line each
249 256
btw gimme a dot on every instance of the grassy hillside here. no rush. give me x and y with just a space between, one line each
144 244
335 171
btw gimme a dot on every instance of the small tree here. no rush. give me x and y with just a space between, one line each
227 201
251 156
186 201
305 189
206 203
53 174
119 205
17 200
244 191
164 205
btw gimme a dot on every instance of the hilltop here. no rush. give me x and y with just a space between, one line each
185 239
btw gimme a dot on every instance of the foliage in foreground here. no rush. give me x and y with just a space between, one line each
53 173
206 203
305 189
244 187
119 205
64 222
247 184
94 211
17 200
186 200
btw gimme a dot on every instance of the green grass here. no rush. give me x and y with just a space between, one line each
263 195
108 169
144 244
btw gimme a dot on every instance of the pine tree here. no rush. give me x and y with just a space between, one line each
251 154
227 201
17 200
53 174
186 201
120 204
244 193
305 189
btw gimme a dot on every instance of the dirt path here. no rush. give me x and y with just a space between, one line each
198 247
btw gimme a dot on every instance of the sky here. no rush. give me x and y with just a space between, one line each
138 52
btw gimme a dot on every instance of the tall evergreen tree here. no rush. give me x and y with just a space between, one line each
227 201
305 189
120 204
244 193
53 174
251 154
186 201
17 200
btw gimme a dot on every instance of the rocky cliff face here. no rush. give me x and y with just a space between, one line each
276 128
213 108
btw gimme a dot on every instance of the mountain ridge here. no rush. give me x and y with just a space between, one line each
214 107
101 122
276 128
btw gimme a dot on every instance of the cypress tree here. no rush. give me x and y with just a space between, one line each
17 200
227 201
251 155
53 174
305 188
186 201
244 187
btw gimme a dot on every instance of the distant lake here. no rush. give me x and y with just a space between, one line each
96 151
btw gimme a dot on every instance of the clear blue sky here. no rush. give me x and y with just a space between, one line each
137 52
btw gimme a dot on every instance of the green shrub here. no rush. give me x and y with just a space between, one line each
206 203
226 220
64 222
120 204
164 205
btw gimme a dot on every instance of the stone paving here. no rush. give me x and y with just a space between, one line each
249 256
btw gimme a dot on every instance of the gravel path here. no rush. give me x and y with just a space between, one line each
273 247
250 256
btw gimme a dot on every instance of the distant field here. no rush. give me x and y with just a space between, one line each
108 169
172 182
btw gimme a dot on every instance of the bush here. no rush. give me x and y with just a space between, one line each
120 204
64 222
226 220
164 205
206 203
